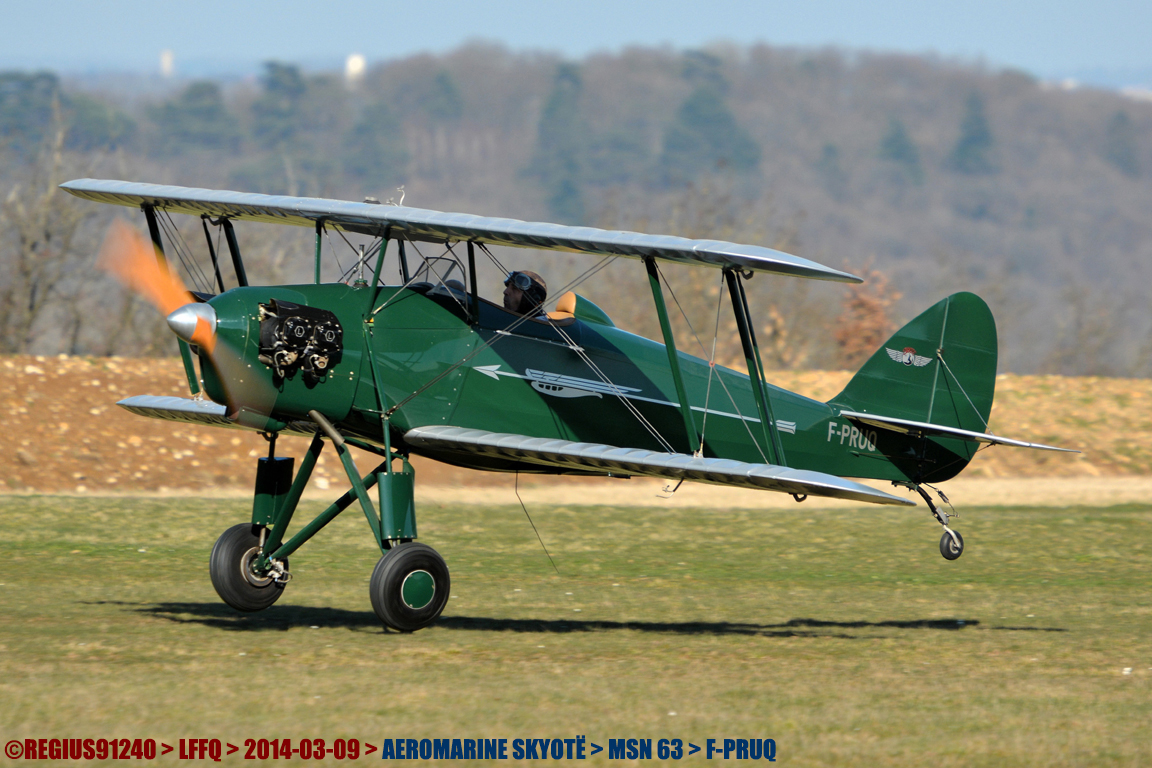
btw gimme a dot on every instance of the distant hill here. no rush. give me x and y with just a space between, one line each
942 177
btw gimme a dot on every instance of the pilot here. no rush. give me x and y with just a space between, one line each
524 294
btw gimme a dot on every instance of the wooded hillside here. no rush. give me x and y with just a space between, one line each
929 176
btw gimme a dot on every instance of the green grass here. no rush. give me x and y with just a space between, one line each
841 634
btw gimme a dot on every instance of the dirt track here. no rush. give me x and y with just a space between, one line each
66 435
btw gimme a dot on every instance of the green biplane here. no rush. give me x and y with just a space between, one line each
428 367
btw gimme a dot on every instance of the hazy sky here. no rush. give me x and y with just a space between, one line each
1050 38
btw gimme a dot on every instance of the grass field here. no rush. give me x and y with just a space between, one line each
840 633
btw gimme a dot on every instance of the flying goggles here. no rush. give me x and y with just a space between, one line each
519 280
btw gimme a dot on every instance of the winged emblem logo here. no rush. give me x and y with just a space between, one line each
908 356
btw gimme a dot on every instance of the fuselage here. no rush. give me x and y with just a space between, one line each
422 353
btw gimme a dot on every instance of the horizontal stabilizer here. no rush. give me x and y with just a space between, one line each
920 428
437 227
191 411
635 461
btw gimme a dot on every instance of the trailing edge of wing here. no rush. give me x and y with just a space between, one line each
907 427
636 461
190 411
434 226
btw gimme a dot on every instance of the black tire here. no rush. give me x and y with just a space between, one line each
410 586
232 577
949 548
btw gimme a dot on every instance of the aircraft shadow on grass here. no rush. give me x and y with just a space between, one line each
285 617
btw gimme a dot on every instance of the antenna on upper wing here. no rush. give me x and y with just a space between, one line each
392 200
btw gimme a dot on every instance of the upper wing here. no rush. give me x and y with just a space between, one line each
636 461
433 226
904 426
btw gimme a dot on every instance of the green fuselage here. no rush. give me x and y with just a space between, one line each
446 368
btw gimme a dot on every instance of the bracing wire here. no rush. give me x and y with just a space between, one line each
711 360
516 487
489 342
455 258
361 261
940 355
369 254
579 279
182 252
219 234
416 274
439 277
944 498
584 276
492 256
332 248
712 365
651 429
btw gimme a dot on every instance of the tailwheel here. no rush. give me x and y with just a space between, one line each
232 566
949 547
951 543
410 586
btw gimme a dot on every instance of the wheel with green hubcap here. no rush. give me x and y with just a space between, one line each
410 586
236 581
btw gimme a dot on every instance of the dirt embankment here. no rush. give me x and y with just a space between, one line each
64 432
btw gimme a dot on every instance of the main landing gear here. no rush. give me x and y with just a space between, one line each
235 576
249 563
951 542
410 586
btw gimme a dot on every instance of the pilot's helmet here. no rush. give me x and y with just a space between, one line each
534 288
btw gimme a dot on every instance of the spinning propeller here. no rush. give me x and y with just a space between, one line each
134 261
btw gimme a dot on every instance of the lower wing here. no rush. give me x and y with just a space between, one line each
206 412
559 453
636 461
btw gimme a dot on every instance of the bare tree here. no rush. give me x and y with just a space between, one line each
38 225
865 320
1085 341
699 307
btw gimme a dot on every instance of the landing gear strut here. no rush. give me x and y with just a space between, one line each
951 542
249 564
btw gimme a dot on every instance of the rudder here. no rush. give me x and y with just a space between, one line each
940 368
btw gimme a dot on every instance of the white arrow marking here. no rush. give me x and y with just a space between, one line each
596 387
495 372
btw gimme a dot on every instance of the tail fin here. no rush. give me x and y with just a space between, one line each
940 368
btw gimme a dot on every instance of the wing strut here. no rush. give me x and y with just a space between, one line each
755 367
320 247
158 244
673 356
234 249
212 253
474 278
